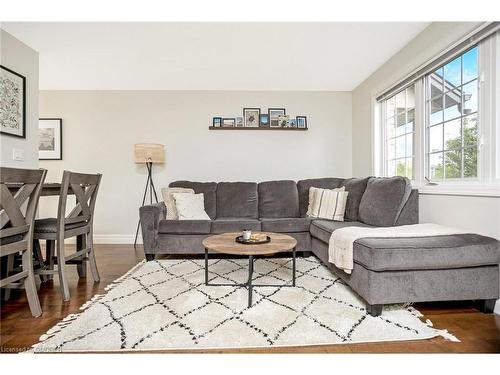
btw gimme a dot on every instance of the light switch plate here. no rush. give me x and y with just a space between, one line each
17 154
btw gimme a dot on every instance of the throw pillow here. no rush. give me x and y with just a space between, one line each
190 206
327 203
169 200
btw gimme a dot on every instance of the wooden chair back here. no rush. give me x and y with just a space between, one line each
85 188
19 194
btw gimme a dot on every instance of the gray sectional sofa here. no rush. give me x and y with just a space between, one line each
386 270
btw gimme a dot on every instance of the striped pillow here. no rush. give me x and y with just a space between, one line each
327 203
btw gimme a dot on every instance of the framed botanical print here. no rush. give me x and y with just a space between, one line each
274 114
12 103
251 117
50 139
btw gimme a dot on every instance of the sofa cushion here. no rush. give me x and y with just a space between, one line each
278 199
208 189
356 188
304 185
168 199
323 229
237 199
234 225
419 253
383 200
286 225
184 226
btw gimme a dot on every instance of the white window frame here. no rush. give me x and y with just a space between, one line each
487 182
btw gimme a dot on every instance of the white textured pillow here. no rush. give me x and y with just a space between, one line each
169 200
190 206
327 203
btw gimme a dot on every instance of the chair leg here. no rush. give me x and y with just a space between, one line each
10 268
29 285
61 269
93 263
49 255
37 253
81 268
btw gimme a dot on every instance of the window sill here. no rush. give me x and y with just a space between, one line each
491 191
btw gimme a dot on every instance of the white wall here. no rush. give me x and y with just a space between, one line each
478 214
101 127
20 58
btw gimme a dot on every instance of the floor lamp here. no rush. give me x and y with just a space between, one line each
148 154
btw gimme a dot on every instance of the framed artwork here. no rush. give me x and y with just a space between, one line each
264 120
217 121
228 122
239 122
283 121
274 114
12 103
301 122
50 139
292 122
252 117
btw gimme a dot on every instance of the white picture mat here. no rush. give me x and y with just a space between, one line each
56 125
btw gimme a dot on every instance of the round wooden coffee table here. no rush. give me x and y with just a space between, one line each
226 244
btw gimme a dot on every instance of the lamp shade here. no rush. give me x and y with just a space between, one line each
149 152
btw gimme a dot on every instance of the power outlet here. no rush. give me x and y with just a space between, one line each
17 154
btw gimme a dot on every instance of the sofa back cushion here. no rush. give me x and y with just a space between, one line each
383 200
278 199
237 199
208 189
356 188
322 183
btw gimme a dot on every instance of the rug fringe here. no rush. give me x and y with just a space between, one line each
441 332
69 319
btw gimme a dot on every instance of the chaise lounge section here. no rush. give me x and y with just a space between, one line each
386 270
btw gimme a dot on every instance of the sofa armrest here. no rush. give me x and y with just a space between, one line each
150 217
409 213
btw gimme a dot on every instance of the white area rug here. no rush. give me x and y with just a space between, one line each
165 305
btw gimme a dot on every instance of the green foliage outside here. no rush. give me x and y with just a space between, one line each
453 158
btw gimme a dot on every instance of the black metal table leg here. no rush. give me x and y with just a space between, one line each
250 274
206 267
293 267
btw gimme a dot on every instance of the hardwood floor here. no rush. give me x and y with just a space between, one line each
479 333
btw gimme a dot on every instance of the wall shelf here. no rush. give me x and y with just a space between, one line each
259 128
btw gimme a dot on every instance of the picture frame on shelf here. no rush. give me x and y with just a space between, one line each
301 122
239 122
264 120
228 122
13 91
217 122
292 122
50 139
283 121
273 114
251 117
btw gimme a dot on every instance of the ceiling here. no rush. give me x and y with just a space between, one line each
211 56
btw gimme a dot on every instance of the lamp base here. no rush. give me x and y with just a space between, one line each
152 192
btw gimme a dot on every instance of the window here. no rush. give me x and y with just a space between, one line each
442 123
399 129
452 121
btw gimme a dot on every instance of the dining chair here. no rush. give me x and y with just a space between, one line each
17 213
78 223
